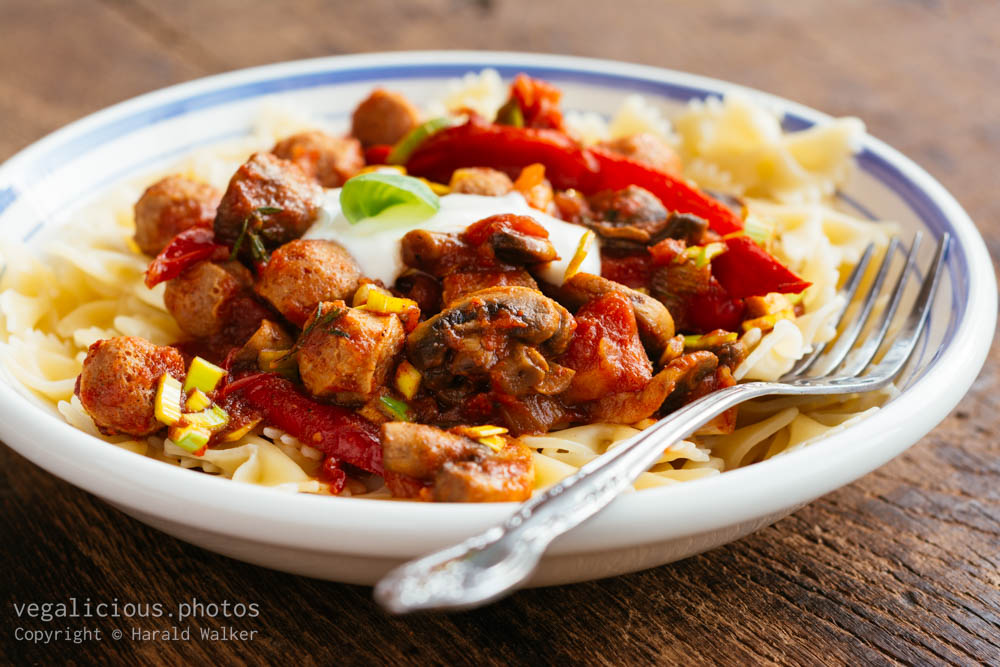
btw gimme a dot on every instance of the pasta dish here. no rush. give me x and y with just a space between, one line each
463 302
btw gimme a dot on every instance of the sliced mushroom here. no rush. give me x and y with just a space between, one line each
436 253
268 336
656 326
518 248
440 253
485 334
678 376
632 215
518 313
684 226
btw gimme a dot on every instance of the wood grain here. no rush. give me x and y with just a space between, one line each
901 567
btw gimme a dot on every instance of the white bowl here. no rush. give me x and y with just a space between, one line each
354 540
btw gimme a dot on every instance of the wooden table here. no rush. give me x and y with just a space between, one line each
902 566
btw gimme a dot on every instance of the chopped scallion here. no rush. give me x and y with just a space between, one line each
709 340
395 408
204 375
197 400
190 437
404 148
167 403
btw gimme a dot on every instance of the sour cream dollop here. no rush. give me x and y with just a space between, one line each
375 243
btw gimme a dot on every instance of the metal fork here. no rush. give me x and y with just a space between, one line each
489 565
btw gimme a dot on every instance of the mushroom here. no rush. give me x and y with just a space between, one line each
436 253
518 248
680 375
505 334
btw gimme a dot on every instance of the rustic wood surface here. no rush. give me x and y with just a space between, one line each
901 567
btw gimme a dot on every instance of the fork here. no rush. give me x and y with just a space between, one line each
493 563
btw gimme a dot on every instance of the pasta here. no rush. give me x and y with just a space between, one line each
89 286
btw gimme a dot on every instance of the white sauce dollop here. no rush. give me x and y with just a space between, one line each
374 243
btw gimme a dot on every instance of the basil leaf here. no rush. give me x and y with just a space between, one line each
375 193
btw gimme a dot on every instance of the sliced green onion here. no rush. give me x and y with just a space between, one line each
703 254
204 375
377 193
396 408
408 379
167 403
709 340
278 361
190 437
510 114
197 400
404 148
758 230
212 419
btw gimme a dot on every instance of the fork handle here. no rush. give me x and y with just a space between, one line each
485 567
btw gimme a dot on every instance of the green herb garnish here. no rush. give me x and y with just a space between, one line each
321 320
239 239
405 147
510 114
257 250
381 193
395 408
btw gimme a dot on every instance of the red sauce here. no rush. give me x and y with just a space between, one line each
631 270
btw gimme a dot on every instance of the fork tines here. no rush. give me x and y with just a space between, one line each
847 358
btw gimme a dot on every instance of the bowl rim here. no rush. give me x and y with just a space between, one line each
402 529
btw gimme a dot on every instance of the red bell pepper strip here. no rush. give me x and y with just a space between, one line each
617 171
333 430
503 147
377 154
191 246
538 101
631 270
715 310
746 269
510 149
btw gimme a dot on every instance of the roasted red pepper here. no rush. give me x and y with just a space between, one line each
715 310
538 101
510 149
632 270
333 430
616 171
191 246
377 154
746 269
